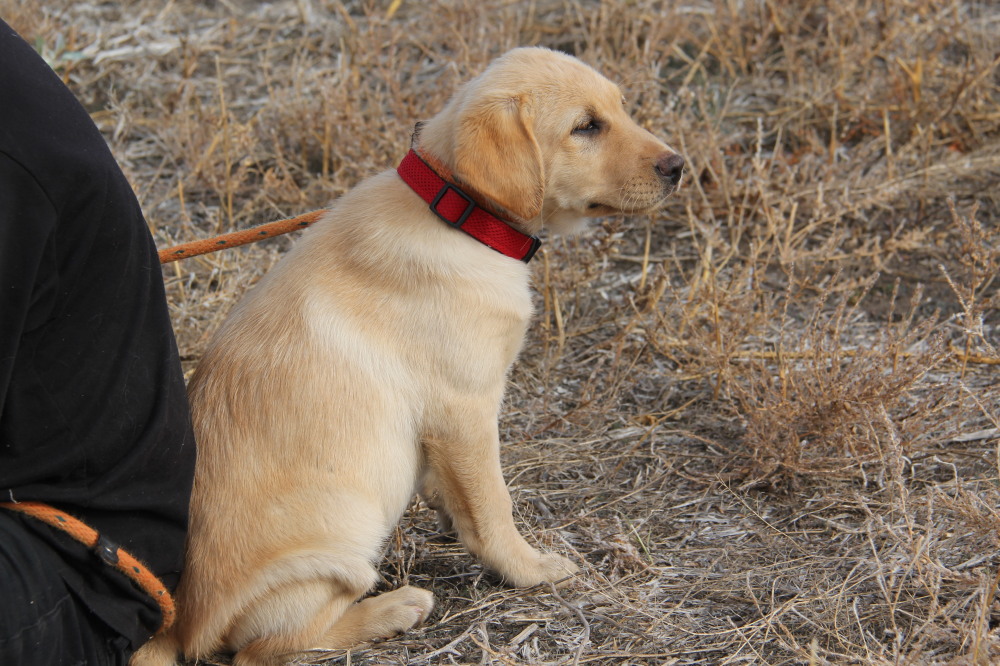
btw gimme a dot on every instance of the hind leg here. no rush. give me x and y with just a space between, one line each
288 619
324 615
381 616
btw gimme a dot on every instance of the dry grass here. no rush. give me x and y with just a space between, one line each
767 421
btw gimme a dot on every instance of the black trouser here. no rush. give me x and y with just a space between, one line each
45 623
93 415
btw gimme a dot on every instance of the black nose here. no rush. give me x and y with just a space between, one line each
670 167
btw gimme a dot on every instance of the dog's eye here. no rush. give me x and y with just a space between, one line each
588 126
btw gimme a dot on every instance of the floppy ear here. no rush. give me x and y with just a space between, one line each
497 155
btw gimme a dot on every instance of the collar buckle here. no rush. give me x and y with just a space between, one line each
470 206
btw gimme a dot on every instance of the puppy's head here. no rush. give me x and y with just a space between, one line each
547 138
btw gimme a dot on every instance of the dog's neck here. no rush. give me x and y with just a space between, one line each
463 208
425 147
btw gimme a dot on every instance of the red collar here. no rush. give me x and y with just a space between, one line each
458 210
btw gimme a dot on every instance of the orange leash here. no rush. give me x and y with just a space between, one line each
109 553
237 238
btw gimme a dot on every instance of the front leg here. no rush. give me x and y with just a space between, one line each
464 468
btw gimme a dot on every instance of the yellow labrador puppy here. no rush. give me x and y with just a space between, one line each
370 363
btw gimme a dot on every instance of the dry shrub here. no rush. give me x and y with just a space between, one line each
822 394
825 410
978 263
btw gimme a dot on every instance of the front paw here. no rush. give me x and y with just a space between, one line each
542 568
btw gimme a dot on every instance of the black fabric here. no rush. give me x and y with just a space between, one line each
44 622
93 414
